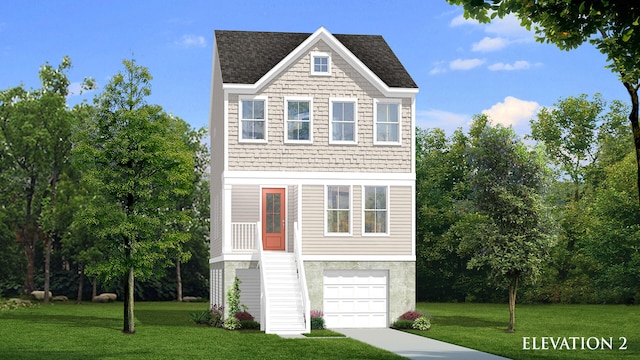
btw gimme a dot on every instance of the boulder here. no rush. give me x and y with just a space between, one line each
16 301
110 296
39 294
60 298
191 298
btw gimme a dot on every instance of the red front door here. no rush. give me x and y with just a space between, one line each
273 219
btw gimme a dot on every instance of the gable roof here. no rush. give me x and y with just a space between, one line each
246 56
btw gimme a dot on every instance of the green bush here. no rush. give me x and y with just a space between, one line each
249 325
421 323
201 317
217 313
402 324
317 323
231 324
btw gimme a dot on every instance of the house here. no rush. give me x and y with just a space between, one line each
312 178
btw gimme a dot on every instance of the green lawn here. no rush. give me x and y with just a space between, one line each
481 326
163 331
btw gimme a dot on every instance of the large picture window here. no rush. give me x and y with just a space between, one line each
376 210
253 120
338 209
299 120
343 122
387 122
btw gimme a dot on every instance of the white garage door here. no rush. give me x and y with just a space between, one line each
355 298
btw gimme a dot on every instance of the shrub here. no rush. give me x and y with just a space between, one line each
410 315
243 316
249 325
201 317
231 324
217 313
402 324
421 323
317 320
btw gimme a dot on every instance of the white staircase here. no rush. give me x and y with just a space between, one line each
284 309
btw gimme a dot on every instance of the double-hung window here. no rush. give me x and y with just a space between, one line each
338 209
387 122
253 120
376 210
343 121
298 128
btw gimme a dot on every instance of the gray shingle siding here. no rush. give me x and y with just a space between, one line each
246 56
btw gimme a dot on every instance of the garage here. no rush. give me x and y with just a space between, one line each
355 298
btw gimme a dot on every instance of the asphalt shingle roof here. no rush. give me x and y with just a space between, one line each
246 56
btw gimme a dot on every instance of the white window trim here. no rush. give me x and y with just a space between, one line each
286 119
375 121
266 119
355 121
326 232
318 54
388 232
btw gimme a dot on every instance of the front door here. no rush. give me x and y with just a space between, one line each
273 219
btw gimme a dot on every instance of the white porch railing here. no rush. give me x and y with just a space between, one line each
244 236
302 278
263 280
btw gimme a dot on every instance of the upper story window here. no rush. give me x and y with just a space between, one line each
343 121
320 63
338 209
253 120
376 210
387 122
299 127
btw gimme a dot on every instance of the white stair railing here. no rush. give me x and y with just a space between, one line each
302 278
263 281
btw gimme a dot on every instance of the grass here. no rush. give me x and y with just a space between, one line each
323 333
481 326
163 331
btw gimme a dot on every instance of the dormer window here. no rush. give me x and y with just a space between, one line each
320 63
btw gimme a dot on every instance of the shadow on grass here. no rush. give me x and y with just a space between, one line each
467 321
68 320
68 355
164 317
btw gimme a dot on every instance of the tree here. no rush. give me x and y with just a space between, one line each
612 26
506 232
136 156
35 138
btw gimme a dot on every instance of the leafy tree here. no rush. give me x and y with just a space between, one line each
138 160
612 26
35 128
506 232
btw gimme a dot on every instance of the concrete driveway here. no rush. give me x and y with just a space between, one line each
414 346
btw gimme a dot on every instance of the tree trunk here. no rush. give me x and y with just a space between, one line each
80 284
94 288
179 280
47 266
30 253
635 127
513 288
129 323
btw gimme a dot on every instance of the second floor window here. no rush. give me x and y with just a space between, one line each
253 120
298 127
342 115
387 123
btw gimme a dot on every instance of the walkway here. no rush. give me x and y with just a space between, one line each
413 346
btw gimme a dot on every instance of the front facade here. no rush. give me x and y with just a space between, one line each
312 178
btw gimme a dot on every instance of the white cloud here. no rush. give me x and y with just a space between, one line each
438 67
460 20
467 64
518 65
190 41
489 44
512 112
509 27
448 121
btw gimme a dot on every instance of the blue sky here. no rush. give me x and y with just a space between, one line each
462 68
